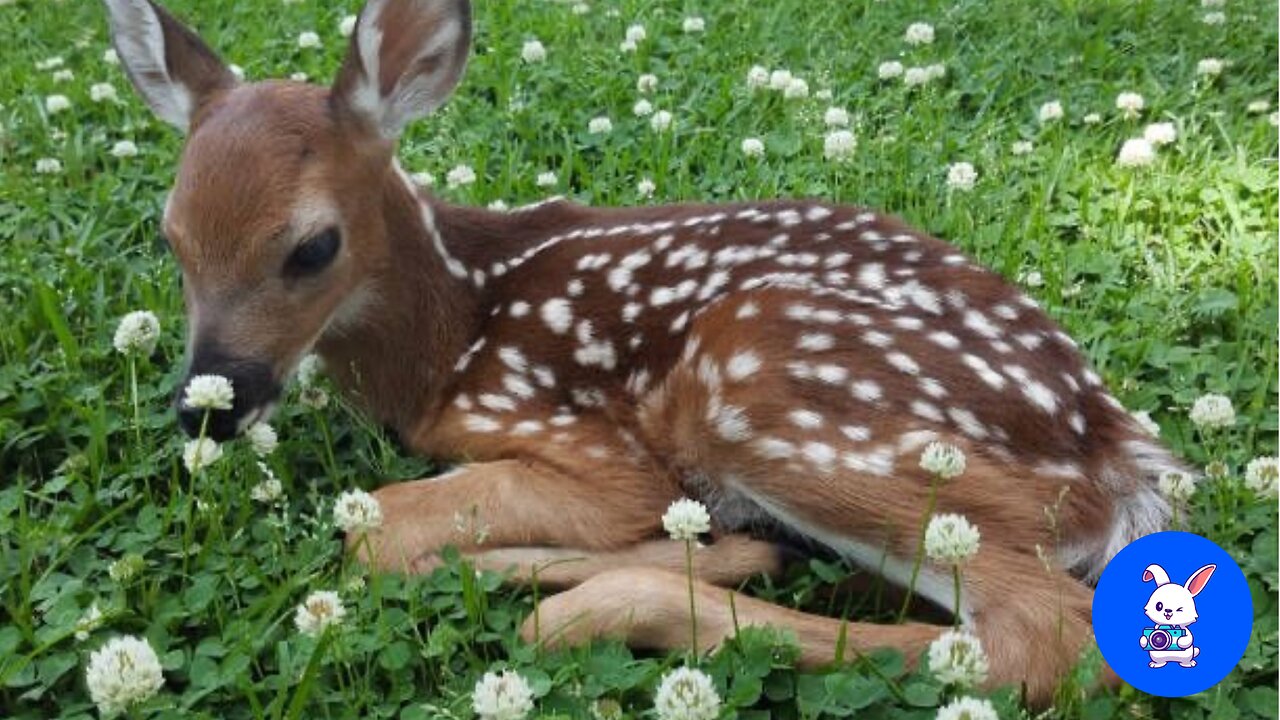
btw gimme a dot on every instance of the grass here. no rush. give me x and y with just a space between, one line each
1165 274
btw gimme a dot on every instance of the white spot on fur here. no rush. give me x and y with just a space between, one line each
557 313
805 419
742 365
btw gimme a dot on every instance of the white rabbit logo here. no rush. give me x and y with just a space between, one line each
1172 608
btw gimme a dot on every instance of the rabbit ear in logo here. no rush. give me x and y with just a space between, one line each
1198 579
1157 573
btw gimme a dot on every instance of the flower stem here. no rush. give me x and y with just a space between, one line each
919 558
693 614
955 575
133 394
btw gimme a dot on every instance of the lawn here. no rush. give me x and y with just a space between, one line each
1159 257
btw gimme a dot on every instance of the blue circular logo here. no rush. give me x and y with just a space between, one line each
1172 614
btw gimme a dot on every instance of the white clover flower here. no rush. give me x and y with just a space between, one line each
1274 119
1143 418
661 121
209 392
779 80
126 568
1262 476
314 397
110 56
915 76
825 94
1130 103
693 25
64 75
961 176
55 104
502 696
838 145
957 658
459 176
357 511
686 519
268 491
1136 152
646 187
642 108
1211 67
138 332
200 453
936 71
298 77
423 179
600 125
347 25
50 63
581 8
1176 485
919 34
1051 111
546 179
1092 118
102 92
1213 3
753 147
627 46
309 369
308 39
943 460
321 610
968 708
1257 107
122 673
91 620
797 89
686 694
497 206
950 539
636 34
1032 278
1213 412
533 51
1214 18
236 70
889 70
124 149
262 438
836 117
1158 134
647 83
757 77
1021 147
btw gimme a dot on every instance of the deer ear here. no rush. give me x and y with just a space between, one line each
1199 579
405 58
168 63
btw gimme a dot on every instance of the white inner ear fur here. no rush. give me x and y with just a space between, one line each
413 95
139 39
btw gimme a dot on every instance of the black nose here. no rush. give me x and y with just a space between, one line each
252 382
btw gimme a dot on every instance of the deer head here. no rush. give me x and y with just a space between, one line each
275 213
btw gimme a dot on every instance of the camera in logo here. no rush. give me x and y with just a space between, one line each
1162 637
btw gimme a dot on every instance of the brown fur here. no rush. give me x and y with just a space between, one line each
572 476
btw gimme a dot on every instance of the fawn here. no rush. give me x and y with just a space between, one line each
784 362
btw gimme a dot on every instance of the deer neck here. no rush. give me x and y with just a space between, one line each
392 347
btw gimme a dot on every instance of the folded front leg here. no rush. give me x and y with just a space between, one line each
514 503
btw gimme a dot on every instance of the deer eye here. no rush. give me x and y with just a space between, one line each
314 254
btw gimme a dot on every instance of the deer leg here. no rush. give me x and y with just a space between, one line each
728 561
649 608
510 503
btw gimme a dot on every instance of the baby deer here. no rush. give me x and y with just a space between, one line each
782 361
